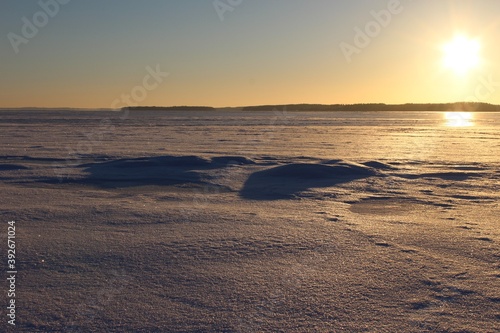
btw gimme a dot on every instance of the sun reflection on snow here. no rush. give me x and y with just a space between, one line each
459 119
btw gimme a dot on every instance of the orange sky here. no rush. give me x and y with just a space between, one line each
95 55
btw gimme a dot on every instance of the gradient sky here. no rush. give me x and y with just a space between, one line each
264 52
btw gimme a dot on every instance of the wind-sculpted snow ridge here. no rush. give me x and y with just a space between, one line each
277 182
116 172
257 179
267 177
159 170
287 181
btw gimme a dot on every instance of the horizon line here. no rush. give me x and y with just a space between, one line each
62 108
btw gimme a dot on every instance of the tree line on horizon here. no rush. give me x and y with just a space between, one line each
459 106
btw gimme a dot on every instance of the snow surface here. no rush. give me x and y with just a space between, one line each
253 222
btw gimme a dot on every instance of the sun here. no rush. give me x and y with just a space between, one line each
461 54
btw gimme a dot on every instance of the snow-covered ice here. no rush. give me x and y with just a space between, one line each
253 221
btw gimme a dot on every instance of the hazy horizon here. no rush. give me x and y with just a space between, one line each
74 54
236 107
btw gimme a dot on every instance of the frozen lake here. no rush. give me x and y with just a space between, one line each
422 136
253 222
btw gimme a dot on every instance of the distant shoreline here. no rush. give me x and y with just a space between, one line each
362 107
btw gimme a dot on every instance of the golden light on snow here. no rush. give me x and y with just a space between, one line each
459 119
461 54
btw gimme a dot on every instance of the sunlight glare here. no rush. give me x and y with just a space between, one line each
459 119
